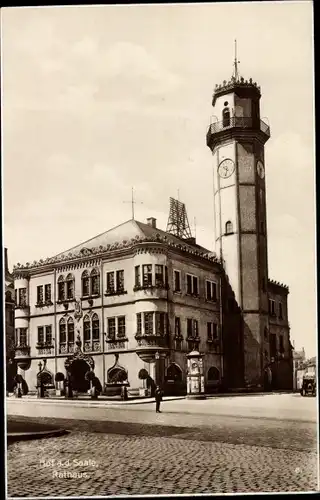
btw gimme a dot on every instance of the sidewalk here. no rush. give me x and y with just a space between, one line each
103 401
22 431
12 437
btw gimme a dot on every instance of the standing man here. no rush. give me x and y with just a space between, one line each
158 396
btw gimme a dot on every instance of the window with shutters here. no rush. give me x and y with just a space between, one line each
120 280
148 323
177 281
40 294
85 282
95 282
70 287
147 275
137 276
112 328
110 282
192 285
47 293
139 324
211 291
159 275
95 327
40 335
121 327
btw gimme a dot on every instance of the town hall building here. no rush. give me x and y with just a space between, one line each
137 297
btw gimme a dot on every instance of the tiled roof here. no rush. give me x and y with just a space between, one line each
120 237
126 231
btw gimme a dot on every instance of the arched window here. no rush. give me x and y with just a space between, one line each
70 286
62 331
229 227
213 374
226 117
95 327
95 282
70 331
61 288
86 329
174 373
85 284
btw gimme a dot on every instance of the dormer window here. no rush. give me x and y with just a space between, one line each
226 117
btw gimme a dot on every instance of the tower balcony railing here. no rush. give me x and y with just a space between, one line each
242 122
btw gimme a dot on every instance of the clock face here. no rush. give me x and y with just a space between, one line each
260 169
226 168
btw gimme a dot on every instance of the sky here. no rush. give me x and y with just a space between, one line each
97 99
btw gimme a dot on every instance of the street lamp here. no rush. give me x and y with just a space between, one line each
157 357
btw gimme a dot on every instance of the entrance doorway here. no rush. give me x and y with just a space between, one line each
78 370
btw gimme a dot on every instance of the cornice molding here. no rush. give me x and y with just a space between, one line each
94 256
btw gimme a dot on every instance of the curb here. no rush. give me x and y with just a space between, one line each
89 402
25 436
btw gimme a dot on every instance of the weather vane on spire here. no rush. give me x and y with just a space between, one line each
236 62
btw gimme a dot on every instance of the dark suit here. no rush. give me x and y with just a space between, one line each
158 396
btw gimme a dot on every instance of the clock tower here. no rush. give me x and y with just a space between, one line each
236 137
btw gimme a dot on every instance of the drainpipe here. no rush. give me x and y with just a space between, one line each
221 327
102 328
55 319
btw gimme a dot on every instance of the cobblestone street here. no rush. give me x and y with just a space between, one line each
219 455
150 465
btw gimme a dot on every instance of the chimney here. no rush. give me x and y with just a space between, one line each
151 221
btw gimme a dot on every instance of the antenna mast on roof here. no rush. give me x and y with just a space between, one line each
236 62
133 203
178 223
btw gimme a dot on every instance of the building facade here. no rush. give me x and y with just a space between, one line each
138 297
11 368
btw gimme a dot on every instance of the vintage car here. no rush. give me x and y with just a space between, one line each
309 385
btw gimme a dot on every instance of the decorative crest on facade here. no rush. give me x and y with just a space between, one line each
78 310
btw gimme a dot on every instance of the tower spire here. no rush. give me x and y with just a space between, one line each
236 62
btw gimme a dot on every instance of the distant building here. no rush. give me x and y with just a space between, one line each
138 297
302 367
9 322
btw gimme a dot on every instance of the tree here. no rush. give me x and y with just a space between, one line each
59 377
143 374
119 376
89 376
96 383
